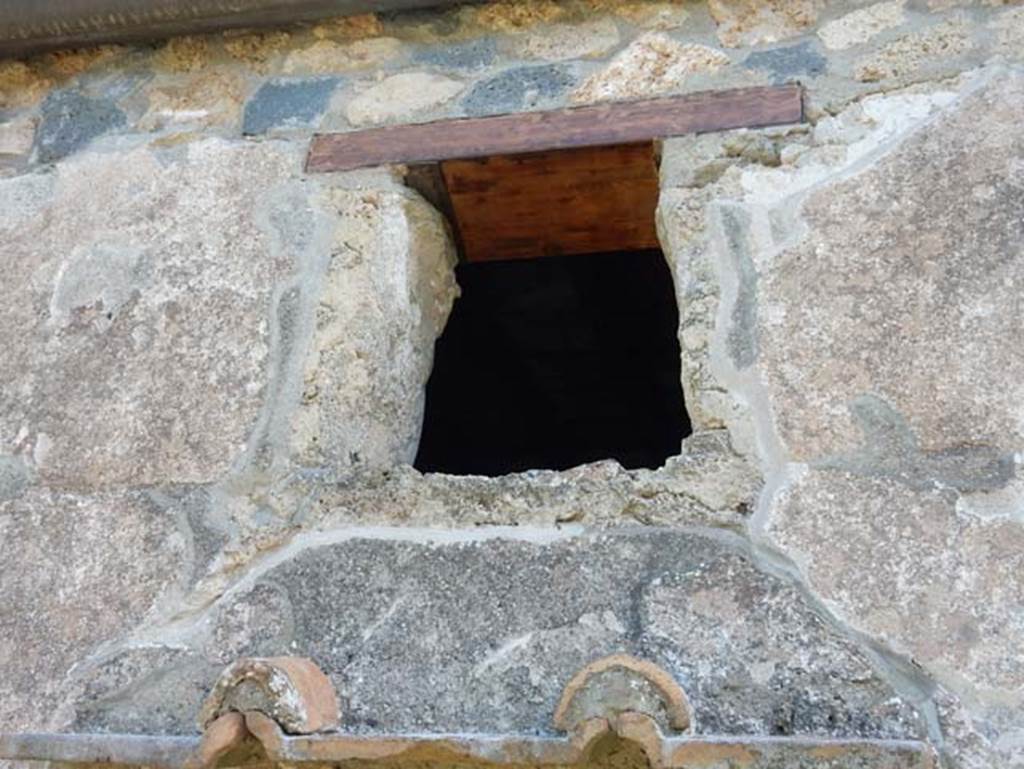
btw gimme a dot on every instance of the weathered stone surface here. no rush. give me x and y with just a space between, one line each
512 15
386 295
21 85
654 64
647 14
706 483
70 121
355 27
472 54
559 42
754 22
907 55
326 57
287 104
188 53
868 303
1009 29
14 477
859 26
255 49
518 89
467 632
905 567
988 737
790 63
498 655
401 97
78 571
144 689
136 333
205 99
16 136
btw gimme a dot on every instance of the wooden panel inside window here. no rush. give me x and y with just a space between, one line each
577 201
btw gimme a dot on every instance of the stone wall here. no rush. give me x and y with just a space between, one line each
213 370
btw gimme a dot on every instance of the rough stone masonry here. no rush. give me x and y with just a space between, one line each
212 371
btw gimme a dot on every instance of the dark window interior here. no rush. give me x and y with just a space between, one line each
554 362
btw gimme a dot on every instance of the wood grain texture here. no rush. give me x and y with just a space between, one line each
612 123
579 201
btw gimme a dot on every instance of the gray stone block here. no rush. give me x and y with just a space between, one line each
287 104
517 89
481 635
70 121
789 63
473 54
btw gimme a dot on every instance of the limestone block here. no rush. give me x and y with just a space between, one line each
907 55
188 53
646 14
513 15
401 97
754 22
706 483
204 99
861 25
78 571
559 42
326 57
21 85
386 295
16 136
1009 29
654 64
904 289
136 330
905 566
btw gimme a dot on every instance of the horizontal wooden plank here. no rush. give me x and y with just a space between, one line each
602 124
579 201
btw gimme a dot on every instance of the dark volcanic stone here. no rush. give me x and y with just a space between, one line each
287 103
70 120
517 89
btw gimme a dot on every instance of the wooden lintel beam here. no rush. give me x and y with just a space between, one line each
602 124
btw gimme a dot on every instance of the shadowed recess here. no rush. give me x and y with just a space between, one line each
551 363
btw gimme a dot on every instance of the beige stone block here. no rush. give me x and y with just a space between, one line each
206 99
400 97
756 22
861 25
137 333
383 302
900 564
905 285
16 136
559 42
326 57
652 65
906 55
79 571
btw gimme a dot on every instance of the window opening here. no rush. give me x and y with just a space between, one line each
563 347
551 363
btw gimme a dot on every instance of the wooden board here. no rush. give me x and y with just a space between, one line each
612 123
578 201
